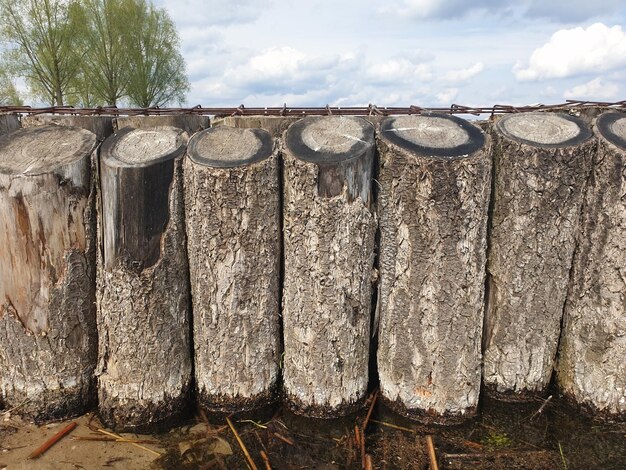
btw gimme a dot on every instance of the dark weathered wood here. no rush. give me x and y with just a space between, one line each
592 360
190 123
542 162
328 232
275 125
144 364
8 123
232 206
47 271
102 126
435 175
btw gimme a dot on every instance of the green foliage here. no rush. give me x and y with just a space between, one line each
495 440
9 95
158 75
41 38
94 52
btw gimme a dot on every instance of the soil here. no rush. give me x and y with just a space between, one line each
535 436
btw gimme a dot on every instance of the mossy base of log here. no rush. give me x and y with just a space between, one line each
225 405
300 408
426 417
143 416
512 396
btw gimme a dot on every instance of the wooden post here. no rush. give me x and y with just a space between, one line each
144 365
435 174
592 360
8 123
542 162
102 126
232 206
275 125
329 232
190 123
47 272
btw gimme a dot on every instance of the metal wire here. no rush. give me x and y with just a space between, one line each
371 110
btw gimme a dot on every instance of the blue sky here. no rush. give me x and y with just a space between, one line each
401 52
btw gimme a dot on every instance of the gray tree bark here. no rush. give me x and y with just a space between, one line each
275 125
329 230
47 272
592 360
232 206
144 363
542 162
190 123
435 175
102 126
8 123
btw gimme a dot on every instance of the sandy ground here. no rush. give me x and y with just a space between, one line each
18 439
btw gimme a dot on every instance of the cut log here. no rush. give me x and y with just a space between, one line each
592 360
8 123
329 230
144 363
190 123
435 183
275 125
542 162
102 126
232 206
47 272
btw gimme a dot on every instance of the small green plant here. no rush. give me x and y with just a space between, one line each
496 440
562 457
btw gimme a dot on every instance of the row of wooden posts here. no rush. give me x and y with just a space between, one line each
245 264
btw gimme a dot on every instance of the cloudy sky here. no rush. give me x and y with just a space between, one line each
401 52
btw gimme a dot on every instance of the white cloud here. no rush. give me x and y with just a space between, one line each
571 10
555 10
575 51
460 75
398 70
596 89
446 96
209 13
441 8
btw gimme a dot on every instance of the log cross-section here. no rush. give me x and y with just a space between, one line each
232 205
592 358
144 364
542 163
435 175
329 230
47 271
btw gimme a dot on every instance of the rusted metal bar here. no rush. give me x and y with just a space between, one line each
372 109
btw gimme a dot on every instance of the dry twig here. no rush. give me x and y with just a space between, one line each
119 438
431 453
242 445
53 440
393 426
369 412
283 438
266 460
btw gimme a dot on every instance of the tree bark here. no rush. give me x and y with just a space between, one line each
232 205
275 125
8 123
47 272
102 126
144 365
435 175
329 231
190 123
592 361
542 162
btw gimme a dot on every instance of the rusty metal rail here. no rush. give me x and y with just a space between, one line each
371 110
